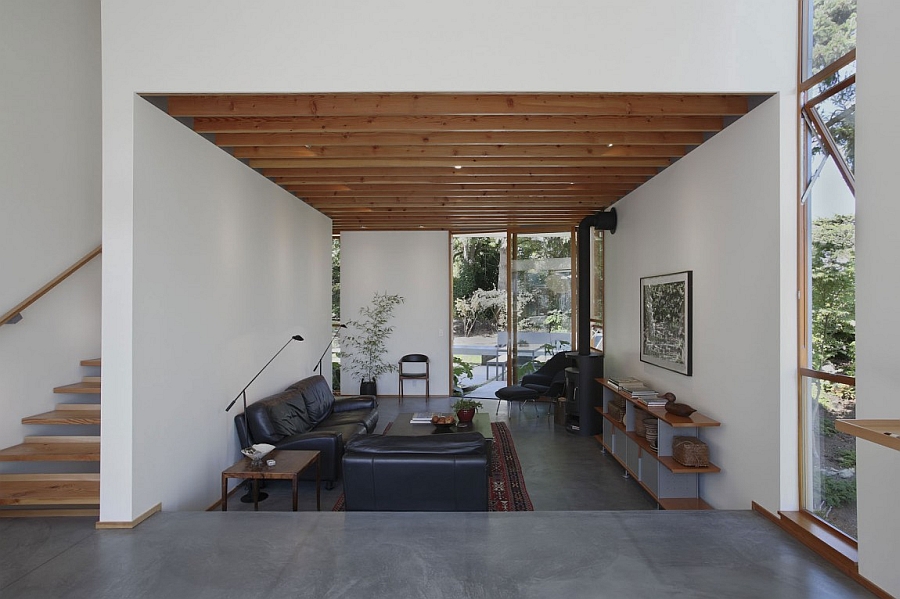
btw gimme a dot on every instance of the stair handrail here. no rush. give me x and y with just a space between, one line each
12 314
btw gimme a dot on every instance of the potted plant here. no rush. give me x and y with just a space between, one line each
460 368
466 408
365 350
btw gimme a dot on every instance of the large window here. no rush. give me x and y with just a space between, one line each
512 309
828 209
597 290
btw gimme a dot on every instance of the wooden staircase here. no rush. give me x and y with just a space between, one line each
55 494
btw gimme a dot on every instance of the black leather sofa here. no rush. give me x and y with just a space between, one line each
306 415
431 473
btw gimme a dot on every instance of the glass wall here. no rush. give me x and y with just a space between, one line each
512 307
541 300
480 306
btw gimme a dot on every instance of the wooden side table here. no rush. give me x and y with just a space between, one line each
288 465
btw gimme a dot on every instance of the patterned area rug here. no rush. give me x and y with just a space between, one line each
507 485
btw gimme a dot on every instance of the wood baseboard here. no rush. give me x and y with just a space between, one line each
117 525
836 548
218 504
51 513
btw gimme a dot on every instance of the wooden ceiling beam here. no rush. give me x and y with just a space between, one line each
508 182
362 174
434 193
453 188
452 138
265 163
395 124
372 104
503 202
562 151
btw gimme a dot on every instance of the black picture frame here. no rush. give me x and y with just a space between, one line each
666 328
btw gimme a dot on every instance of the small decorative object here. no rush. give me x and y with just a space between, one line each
465 409
679 409
270 463
257 452
666 306
690 451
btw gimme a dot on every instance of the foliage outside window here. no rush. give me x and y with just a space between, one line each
597 290
541 296
828 111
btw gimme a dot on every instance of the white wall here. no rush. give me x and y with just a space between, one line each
877 286
716 213
416 266
481 45
227 268
49 201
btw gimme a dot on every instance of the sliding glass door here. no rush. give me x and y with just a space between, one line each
512 306
540 300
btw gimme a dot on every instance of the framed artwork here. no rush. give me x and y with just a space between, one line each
666 305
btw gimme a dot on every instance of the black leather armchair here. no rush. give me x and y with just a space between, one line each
431 473
550 379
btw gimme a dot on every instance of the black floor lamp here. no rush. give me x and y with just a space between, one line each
327 347
243 394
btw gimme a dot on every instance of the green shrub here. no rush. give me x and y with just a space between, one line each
838 491
847 458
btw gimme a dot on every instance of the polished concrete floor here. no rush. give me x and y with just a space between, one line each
593 534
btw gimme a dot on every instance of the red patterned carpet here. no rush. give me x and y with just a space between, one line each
507 485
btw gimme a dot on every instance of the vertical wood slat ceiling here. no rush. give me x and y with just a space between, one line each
467 163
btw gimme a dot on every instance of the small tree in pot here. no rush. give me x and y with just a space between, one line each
365 350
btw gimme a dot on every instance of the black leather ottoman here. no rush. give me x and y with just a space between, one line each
516 393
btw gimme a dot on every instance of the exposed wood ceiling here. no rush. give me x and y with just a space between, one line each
459 162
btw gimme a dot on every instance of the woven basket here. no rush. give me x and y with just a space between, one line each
639 426
690 451
616 409
651 432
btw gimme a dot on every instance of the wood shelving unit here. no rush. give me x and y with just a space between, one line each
882 432
673 485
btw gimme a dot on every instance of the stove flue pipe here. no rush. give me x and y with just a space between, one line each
605 221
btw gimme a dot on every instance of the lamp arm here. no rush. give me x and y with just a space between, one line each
243 391
327 347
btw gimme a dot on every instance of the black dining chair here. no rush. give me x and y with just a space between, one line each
416 375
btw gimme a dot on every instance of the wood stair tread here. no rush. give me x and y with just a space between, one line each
43 451
91 362
50 489
62 416
78 388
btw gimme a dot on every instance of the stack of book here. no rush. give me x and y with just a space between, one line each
651 402
620 382
637 390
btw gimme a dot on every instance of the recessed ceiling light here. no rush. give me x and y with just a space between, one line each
609 145
458 166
